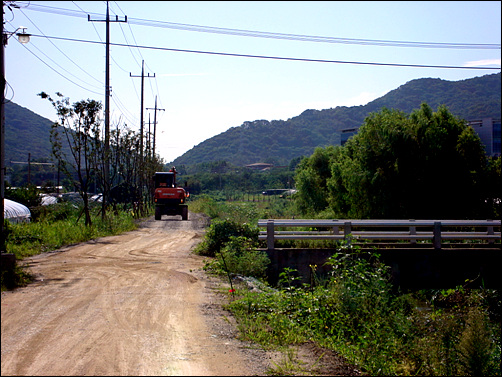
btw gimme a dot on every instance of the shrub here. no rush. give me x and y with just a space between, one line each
27 195
55 212
239 256
219 233
476 346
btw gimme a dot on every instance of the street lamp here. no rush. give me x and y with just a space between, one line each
23 37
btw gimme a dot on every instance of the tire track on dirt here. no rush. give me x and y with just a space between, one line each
134 304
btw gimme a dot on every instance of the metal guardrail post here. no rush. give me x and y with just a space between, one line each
436 236
490 232
413 232
270 234
347 230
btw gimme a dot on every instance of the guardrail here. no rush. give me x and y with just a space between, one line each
406 230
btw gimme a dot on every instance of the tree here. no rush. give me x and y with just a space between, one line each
78 126
365 177
493 184
423 165
450 160
311 178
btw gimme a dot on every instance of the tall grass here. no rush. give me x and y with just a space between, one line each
242 211
62 227
58 226
356 312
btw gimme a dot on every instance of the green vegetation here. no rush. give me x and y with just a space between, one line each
54 227
25 133
239 256
422 165
221 232
418 166
247 211
225 181
275 141
280 141
355 311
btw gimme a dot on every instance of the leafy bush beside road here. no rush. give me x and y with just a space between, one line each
357 313
220 233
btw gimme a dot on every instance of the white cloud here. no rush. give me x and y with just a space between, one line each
478 63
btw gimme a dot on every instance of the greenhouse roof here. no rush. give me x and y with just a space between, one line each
16 212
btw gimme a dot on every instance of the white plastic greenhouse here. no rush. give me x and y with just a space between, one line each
16 212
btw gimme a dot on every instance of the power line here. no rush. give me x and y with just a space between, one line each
275 57
139 51
127 114
309 38
57 64
59 73
282 36
97 33
88 74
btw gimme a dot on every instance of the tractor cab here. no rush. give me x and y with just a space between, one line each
169 199
165 179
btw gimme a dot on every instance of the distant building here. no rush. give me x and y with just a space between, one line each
488 130
260 166
346 134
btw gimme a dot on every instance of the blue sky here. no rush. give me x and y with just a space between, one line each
204 93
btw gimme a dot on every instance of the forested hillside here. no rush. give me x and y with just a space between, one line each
26 132
279 141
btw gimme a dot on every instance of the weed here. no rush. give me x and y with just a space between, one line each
288 365
357 314
476 346
54 229
220 232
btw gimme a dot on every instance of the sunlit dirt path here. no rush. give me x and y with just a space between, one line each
134 304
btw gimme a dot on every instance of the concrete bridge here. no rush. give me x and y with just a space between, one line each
422 254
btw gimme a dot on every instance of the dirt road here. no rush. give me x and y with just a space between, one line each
134 304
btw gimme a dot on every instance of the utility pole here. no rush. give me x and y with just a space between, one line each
149 138
141 164
2 138
142 105
106 169
154 122
29 163
23 38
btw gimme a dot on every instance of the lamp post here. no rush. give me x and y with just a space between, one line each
23 38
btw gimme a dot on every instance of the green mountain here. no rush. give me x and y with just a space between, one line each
280 141
26 133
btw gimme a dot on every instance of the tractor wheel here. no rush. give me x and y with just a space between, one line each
158 213
184 213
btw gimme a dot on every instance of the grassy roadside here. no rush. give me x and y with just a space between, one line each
55 227
448 332
354 312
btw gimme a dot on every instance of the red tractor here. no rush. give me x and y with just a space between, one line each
169 199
